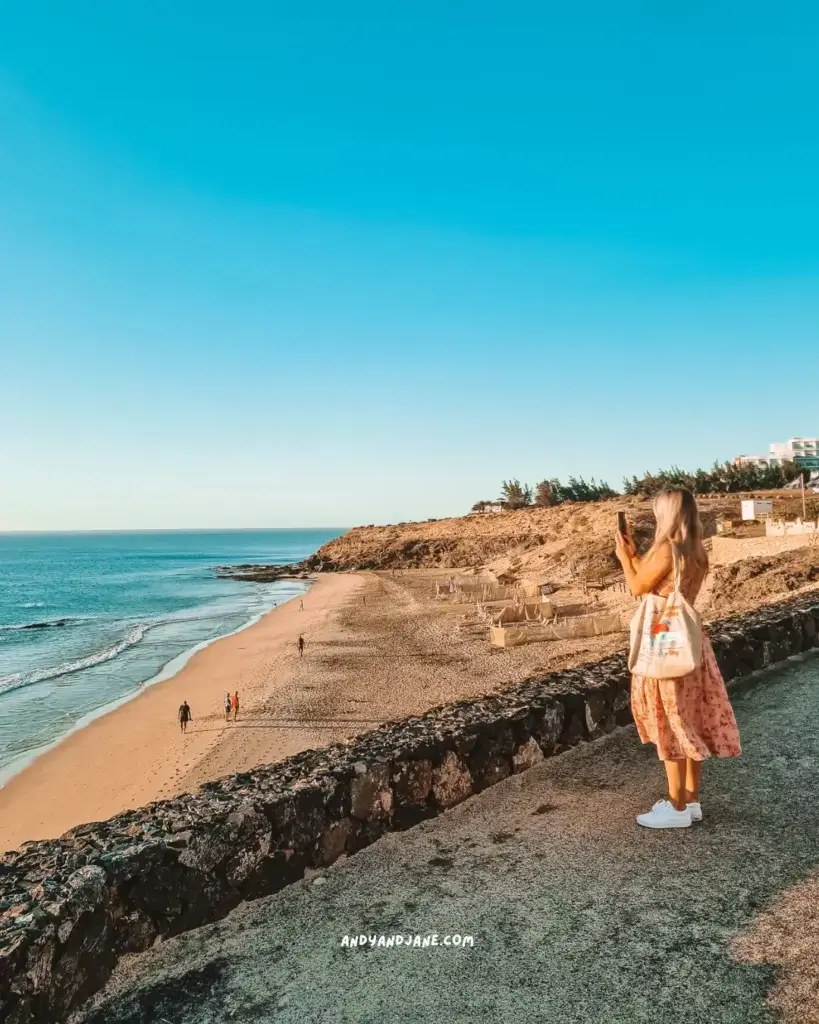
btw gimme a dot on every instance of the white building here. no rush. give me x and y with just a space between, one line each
757 460
488 508
804 451
756 509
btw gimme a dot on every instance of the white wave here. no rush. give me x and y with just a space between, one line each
20 679
33 604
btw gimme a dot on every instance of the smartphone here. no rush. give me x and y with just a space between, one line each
622 525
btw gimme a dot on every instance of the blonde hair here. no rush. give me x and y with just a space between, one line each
678 523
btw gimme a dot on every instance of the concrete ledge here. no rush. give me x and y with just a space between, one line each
70 907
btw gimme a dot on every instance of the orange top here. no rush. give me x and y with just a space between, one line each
691 581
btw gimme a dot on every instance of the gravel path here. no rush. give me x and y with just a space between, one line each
578 917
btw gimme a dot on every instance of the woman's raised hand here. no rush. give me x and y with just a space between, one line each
624 547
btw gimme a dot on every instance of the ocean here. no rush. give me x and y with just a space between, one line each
86 620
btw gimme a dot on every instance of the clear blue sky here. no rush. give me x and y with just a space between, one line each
269 264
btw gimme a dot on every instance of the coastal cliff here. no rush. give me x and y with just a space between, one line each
580 534
564 541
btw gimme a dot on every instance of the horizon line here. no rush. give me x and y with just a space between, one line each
175 529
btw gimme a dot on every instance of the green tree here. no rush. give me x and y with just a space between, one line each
516 495
722 478
544 493
554 492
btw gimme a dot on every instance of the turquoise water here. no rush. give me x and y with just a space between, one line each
87 619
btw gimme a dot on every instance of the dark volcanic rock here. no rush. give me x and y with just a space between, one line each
70 907
251 573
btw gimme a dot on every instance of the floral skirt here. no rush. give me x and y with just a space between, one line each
687 717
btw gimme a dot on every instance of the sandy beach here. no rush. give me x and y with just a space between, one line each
136 753
378 648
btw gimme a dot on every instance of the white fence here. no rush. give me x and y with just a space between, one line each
780 528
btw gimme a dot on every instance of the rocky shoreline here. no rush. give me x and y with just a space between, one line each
253 573
69 908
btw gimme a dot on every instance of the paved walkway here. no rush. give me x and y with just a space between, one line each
578 916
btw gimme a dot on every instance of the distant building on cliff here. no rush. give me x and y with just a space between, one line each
803 451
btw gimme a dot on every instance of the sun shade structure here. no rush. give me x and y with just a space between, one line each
519 633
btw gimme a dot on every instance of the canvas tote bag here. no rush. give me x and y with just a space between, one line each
666 634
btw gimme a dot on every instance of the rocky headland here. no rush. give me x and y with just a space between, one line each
565 541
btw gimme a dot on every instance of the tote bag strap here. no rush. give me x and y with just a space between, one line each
677 563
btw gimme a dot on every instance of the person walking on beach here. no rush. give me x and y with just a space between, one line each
235 705
688 718
185 716
227 707
301 646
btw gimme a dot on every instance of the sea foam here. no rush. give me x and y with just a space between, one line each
20 679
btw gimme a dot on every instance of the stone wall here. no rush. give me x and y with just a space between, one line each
70 907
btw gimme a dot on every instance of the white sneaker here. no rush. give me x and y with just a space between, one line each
696 811
665 815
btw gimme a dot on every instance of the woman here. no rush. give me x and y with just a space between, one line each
689 718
